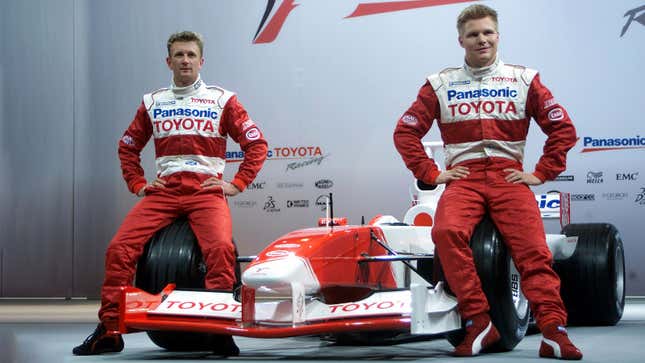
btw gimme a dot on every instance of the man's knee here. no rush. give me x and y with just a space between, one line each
448 235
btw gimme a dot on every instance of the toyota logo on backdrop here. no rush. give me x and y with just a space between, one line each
274 17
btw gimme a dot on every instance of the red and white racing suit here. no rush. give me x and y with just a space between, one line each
190 126
483 116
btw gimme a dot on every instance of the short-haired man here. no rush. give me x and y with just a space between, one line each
190 123
483 110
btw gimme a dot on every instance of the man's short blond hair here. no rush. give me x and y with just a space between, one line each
474 12
187 36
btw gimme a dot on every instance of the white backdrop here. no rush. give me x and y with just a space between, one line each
327 93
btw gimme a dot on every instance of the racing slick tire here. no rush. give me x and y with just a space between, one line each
593 278
173 256
509 308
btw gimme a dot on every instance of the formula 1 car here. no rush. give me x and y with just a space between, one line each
363 284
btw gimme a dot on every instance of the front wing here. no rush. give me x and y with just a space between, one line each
419 310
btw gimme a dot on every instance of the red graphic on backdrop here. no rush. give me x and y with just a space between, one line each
272 29
268 33
364 9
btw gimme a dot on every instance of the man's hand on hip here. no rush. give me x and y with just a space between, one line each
157 183
519 177
458 172
228 188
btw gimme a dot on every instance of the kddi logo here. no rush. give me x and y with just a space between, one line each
594 177
256 186
627 176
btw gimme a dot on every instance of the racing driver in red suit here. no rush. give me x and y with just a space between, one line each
483 111
190 123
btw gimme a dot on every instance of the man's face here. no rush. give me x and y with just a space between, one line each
479 39
185 61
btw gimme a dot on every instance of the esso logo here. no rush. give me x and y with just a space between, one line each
253 134
556 114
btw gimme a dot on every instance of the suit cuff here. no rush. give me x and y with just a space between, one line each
540 176
136 188
238 184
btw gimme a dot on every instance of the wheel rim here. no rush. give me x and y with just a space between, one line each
519 300
620 275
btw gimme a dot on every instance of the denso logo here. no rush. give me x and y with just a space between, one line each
616 143
187 112
484 92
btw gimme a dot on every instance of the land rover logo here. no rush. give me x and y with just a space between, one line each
324 184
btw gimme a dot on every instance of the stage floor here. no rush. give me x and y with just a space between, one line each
35 331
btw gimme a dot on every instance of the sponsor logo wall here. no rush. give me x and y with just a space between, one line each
298 182
317 80
604 168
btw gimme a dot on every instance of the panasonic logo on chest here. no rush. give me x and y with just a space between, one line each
484 92
188 112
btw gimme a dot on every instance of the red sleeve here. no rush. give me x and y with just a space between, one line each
411 128
130 146
237 124
554 121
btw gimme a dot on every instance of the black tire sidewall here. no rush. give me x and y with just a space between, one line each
592 277
493 263
173 256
